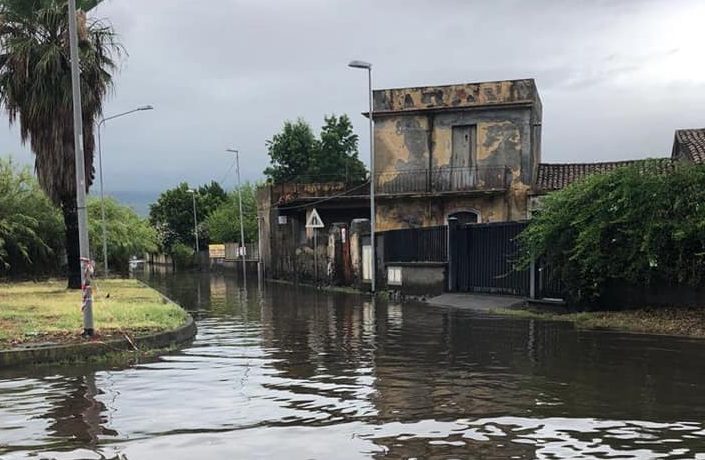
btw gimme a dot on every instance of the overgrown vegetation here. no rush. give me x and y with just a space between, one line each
687 322
297 155
223 224
35 91
172 214
31 230
127 234
643 224
39 312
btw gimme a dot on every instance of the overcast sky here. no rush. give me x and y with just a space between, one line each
616 77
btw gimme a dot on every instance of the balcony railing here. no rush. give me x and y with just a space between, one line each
442 180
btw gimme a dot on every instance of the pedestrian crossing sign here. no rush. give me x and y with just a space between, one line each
314 220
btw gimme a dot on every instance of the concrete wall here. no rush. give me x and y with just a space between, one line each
420 278
464 95
429 211
406 142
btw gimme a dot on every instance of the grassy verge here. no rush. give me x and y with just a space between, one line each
48 312
686 322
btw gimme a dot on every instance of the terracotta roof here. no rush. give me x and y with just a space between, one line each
554 176
690 143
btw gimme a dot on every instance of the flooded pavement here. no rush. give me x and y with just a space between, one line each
294 373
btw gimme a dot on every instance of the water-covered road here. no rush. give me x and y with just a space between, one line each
293 373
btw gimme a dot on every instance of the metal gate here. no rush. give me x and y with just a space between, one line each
482 259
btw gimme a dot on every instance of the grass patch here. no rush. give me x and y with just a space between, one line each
47 311
686 322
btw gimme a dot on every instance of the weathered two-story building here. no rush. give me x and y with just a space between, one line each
469 151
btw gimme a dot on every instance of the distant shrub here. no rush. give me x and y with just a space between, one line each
183 256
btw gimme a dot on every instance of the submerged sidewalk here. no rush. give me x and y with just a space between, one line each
477 302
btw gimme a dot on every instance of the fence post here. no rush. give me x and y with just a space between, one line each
452 252
532 279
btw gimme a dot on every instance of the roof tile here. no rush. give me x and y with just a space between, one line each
690 142
553 176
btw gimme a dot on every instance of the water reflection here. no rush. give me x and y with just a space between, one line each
290 372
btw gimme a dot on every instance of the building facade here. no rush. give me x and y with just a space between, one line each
469 151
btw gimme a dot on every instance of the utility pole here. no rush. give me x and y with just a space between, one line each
85 254
242 223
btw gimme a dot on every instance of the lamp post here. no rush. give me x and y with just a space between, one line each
195 220
367 66
100 174
242 223
83 243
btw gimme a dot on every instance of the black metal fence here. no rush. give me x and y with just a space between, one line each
416 244
483 259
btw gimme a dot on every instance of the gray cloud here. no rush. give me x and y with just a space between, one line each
229 72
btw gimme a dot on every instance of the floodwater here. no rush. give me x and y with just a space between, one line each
293 373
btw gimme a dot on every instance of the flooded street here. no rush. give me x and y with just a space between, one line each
293 373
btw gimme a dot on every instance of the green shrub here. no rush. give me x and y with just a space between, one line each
127 234
643 224
31 228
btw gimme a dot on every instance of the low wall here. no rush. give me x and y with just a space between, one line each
80 351
419 278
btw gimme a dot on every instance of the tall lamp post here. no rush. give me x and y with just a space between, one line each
100 174
367 66
83 243
242 223
195 219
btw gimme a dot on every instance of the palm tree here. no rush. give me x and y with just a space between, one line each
35 89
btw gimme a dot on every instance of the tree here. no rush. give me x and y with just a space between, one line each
337 156
127 234
30 226
172 214
290 151
297 155
223 224
35 90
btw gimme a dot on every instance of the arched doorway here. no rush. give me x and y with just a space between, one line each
466 217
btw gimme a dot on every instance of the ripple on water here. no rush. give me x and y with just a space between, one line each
292 373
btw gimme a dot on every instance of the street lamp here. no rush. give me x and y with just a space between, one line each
367 66
100 173
242 223
195 220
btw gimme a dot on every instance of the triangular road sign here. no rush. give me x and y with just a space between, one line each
314 220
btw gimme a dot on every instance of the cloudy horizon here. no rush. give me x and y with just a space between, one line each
615 78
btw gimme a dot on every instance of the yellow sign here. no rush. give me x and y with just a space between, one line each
216 251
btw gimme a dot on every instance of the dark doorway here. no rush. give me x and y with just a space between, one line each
465 217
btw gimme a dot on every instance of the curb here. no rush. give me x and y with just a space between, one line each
49 354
